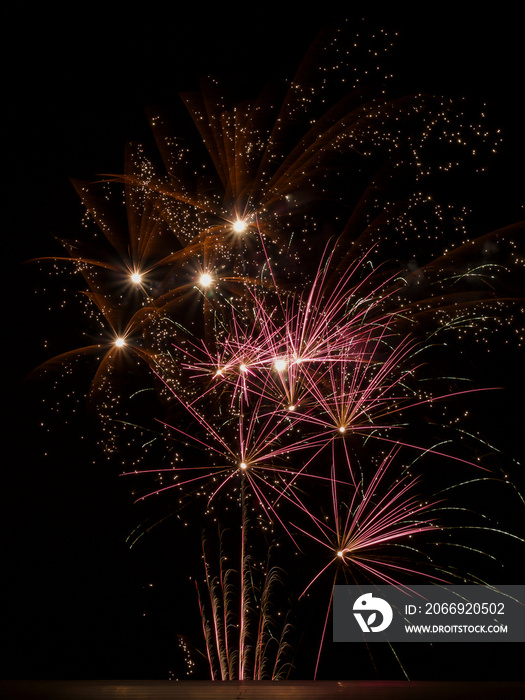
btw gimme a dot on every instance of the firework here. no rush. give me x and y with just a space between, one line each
244 638
289 364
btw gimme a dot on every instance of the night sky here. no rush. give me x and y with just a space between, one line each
77 602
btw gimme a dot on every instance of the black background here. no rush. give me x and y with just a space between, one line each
77 602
